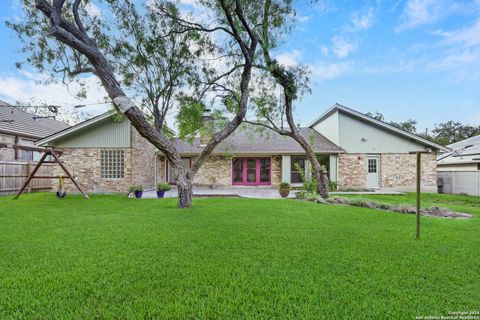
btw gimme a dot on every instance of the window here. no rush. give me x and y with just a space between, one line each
295 175
112 164
251 171
372 165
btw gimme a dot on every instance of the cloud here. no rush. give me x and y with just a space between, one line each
324 50
324 71
461 48
302 19
289 59
420 12
24 87
362 21
426 12
342 48
468 37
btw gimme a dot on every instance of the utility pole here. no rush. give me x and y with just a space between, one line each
419 185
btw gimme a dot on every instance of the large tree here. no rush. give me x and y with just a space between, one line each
69 37
277 87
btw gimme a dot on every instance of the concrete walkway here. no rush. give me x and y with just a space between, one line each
243 192
249 192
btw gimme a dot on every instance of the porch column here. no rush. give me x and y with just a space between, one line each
286 164
333 167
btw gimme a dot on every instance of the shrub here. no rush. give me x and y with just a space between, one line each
163 186
284 185
135 188
332 185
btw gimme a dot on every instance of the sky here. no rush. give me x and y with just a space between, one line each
417 59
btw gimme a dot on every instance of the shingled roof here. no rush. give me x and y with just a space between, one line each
249 140
24 123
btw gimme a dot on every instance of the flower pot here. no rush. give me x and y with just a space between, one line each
160 194
284 192
138 194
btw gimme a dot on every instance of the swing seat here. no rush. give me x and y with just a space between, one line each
61 195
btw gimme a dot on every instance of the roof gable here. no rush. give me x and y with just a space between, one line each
377 123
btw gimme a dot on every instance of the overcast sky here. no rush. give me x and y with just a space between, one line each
415 59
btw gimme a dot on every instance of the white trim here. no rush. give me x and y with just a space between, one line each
379 123
75 128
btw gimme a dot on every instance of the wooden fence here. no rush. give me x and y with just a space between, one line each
13 175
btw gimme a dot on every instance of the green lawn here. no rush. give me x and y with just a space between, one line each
114 257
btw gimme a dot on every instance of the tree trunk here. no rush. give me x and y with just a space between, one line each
185 191
322 183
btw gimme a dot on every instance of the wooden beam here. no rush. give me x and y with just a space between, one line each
68 174
419 179
419 185
39 164
50 177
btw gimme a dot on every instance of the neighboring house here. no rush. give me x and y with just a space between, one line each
18 127
357 151
459 168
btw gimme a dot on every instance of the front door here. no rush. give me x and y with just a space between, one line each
251 171
373 172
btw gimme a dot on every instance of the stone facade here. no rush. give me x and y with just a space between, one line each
351 171
397 171
276 170
219 167
143 160
84 164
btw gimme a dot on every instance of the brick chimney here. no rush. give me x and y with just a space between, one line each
205 132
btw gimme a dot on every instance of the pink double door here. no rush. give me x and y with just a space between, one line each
251 171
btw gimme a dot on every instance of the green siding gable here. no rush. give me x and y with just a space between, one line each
357 136
105 134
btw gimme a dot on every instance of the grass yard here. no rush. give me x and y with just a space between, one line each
114 257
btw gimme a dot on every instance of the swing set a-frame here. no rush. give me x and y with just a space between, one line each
56 159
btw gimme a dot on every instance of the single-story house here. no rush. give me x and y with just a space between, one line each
459 169
358 152
21 128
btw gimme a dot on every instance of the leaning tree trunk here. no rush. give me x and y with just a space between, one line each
322 183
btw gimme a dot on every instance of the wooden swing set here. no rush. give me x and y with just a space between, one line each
56 159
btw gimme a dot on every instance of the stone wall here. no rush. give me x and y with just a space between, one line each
219 167
398 171
351 171
276 170
84 164
7 154
143 160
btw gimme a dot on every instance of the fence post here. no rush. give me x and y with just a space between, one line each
29 169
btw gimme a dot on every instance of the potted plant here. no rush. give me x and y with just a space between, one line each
161 188
213 183
137 189
284 189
